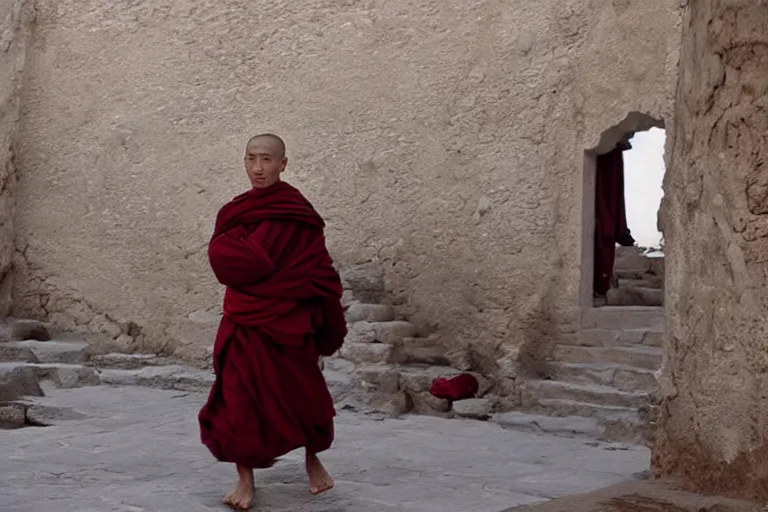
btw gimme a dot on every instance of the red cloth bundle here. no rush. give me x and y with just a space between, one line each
459 387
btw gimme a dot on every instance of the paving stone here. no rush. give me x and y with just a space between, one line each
138 449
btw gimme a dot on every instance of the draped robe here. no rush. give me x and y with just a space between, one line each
282 308
610 217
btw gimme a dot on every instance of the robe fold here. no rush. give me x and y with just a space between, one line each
610 216
282 309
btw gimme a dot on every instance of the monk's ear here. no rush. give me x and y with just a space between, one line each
284 163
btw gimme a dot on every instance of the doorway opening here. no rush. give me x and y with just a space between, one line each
622 247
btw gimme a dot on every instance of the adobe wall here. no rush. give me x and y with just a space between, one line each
442 139
713 429
15 29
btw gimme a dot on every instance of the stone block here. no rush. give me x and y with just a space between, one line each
475 408
21 330
12 415
362 353
370 313
425 403
16 380
393 332
420 351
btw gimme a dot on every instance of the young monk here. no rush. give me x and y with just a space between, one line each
282 310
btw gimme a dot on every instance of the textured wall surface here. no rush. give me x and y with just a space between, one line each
714 422
441 138
15 29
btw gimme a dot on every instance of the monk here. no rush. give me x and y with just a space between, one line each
282 311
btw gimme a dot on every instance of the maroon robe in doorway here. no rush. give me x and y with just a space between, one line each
610 216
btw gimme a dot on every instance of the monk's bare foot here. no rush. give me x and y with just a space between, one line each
241 496
319 479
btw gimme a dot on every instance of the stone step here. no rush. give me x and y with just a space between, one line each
621 377
71 352
17 380
366 353
178 377
559 407
119 361
635 296
587 393
420 351
639 356
359 312
392 332
61 375
567 426
637 274
624 424
614 337
646 281
624 317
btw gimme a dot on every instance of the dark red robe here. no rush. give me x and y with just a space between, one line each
610 216
282 308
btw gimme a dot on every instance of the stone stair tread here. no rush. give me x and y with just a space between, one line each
618 317
604 411
606 366
165 377
592 388
53 351
586 392
639 349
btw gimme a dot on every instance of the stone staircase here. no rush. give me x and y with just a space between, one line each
638 279
394 364
608 373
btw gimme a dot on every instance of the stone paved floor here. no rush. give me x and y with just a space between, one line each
137 449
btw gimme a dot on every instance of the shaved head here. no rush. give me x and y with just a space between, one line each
276 142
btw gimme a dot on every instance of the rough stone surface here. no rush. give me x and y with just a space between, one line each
15 32
642 496
12 415
477 408
139 450
370 313
714 418
18 380
443 142
21 330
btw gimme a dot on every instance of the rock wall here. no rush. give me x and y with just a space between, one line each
442 140
15 30
713 432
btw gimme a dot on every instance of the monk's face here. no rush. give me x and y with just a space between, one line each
264 162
